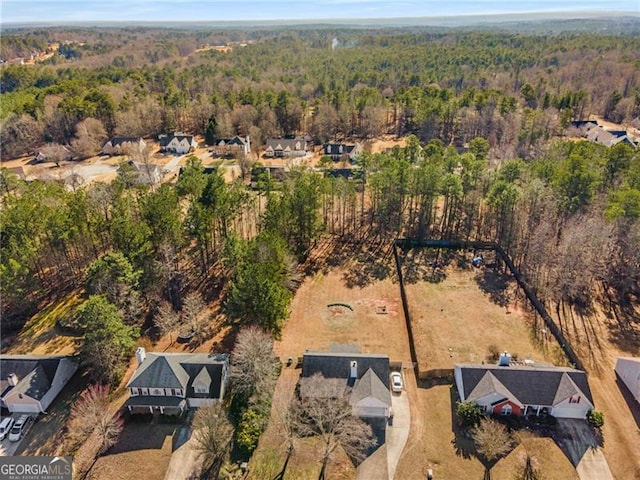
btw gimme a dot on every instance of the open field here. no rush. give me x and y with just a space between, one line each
460 313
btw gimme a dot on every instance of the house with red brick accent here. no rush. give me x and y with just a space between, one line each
521 389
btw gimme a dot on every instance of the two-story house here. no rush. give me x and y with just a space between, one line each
177 142
170 383
231 146
286 147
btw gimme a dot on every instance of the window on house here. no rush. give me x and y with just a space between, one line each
157 391
201 388
573 399
506 410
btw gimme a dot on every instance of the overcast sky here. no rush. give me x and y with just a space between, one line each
22 11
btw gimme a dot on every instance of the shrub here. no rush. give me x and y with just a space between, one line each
251 425
469 413
494 352
595 418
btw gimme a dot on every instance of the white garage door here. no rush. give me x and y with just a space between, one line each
568 412
25 409
372 412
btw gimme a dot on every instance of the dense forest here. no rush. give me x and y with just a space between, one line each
483 161
516 90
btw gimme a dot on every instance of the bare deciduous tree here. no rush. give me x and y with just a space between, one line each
330 418
254 366
492 440
212 438
92 425
90 134
166 319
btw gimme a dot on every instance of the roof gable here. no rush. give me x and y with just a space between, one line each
370 386
529 385
158 371
338 365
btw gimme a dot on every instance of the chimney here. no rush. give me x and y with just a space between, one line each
141 354
354 369
12 378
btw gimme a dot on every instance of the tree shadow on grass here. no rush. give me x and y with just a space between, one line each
494 284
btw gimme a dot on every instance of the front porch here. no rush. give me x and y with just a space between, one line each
142 404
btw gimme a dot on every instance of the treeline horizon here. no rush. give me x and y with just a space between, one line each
516 90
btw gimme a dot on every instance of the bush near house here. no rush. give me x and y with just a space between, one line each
595 418
469 413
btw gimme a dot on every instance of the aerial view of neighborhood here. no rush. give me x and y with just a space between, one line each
339 239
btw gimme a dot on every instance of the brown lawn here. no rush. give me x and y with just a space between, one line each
458 313
142 448
456 317
598 337
315 324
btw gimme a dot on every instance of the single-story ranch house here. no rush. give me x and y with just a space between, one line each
363 378
30 383
170 383
525 389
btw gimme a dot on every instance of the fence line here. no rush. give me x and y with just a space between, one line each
461 245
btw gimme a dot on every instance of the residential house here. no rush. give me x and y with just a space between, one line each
362 378
231 146
53 153
122 145
628 370
286 147
170 383
341 152
511 389
178 143
30 383
147 173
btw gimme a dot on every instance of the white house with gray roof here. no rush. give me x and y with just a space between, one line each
170 383
525 389
30 383
363 378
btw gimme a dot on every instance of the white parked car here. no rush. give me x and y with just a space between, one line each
20 428
396 382
5 426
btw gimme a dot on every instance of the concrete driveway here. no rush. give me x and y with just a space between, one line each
577 441
382 464
184 463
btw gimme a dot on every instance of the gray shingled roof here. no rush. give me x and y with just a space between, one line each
487 385
115 141
237 140
337 365
370 386
164 141
284 143
34 372
530 385
176 370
